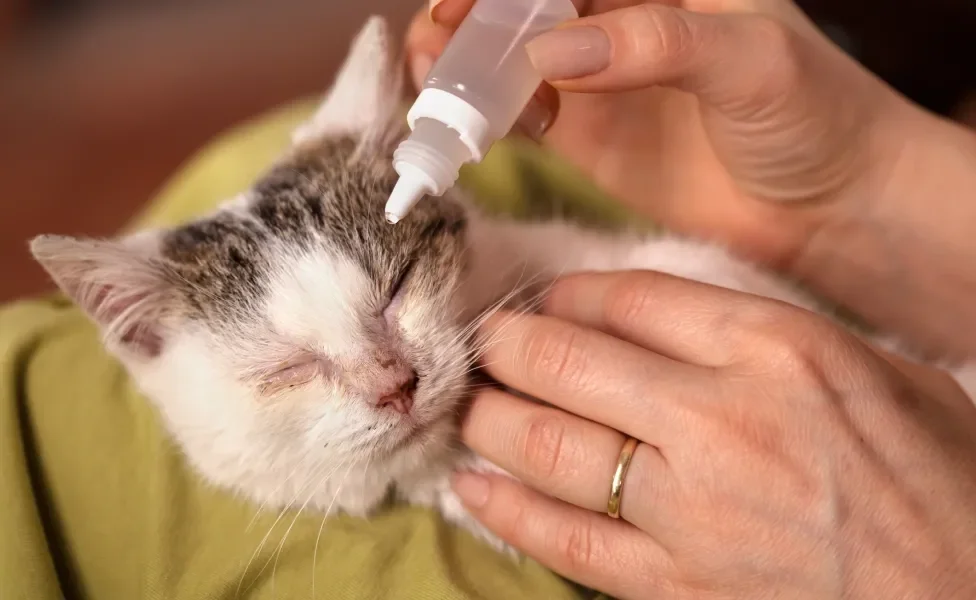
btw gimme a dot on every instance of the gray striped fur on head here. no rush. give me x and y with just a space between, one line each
326 194
328 197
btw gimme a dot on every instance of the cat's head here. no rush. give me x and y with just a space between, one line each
295 322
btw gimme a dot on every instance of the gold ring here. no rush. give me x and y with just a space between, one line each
617 486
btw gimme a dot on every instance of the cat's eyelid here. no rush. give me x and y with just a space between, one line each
291 377
303 359
402 277
291 374
271 366
395 298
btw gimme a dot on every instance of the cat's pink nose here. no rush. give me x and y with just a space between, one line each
400 397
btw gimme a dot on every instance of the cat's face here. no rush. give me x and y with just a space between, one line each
295 325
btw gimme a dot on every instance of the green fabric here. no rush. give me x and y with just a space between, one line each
97 503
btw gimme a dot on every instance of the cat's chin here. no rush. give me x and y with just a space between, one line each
427 436
405 434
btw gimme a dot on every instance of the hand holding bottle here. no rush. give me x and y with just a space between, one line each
739 121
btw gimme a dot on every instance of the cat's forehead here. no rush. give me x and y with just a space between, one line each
327 203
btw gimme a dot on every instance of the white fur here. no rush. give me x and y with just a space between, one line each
315 296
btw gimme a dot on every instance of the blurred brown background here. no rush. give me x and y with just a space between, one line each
100 100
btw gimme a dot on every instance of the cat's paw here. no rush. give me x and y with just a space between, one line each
438 494
451 508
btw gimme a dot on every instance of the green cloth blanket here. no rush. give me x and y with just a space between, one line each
98 503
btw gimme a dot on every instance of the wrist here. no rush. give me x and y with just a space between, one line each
899 248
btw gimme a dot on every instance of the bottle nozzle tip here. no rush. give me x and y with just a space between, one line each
411 187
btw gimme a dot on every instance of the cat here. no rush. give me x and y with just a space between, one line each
301 350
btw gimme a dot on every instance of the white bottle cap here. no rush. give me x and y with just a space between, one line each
447 132
471 126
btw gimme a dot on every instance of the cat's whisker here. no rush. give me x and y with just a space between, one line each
484 344
314 481
315 551
481 365
486 314
532 303
277 553
517 289
298 467
267 535
525 307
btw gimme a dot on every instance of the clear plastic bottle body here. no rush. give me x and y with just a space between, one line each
486 64
472 97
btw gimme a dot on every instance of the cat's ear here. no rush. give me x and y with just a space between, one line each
365 98
117 283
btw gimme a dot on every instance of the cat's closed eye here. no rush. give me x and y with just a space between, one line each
291 375
395 298
401 279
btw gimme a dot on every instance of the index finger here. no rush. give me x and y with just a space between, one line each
595 375
683 319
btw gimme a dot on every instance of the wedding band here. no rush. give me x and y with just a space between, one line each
617 485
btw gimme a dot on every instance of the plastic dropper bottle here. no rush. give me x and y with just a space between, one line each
472 97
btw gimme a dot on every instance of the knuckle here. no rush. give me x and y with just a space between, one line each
784 341
661 34
817 492
778 346
574 541
543 446
776 64
628 302
517 520
771 33
782 352
553 354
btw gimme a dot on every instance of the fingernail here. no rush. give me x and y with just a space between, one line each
534 120
472 488
420 66
442 12
432 9
570 52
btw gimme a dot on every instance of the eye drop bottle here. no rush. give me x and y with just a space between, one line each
472 97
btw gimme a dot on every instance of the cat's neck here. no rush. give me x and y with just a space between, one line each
523 258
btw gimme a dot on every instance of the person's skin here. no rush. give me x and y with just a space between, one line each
759 133
780 456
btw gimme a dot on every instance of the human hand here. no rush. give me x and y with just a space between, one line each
709 114
779 456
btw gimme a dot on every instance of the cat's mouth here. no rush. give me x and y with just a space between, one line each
423 424
399 436
410 433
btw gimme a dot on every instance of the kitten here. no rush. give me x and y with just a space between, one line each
304 352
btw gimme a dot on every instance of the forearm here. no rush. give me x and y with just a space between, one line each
905 260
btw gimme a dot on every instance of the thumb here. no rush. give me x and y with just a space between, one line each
730 61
